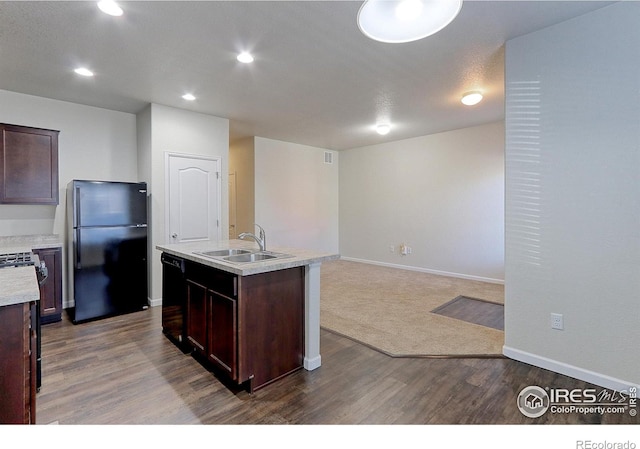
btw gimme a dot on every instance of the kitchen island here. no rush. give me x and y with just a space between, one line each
254 320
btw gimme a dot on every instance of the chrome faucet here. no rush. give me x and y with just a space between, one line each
262 240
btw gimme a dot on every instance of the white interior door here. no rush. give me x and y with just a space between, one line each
193 198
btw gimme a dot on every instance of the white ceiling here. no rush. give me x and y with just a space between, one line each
316 79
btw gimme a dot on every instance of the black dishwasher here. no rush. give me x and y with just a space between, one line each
174 292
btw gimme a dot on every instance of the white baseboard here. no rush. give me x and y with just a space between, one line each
426 270
311 364
592 377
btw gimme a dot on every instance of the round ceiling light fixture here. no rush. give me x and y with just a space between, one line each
471 98
189 97
398 21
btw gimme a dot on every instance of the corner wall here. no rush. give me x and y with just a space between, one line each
242 167
166 129
94 143
573 196
296 195
441 194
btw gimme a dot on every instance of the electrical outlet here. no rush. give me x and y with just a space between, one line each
404 249
557 321
392 249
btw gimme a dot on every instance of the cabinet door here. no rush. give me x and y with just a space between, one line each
28 165
51 290
197 316
222 333
270 325
17 364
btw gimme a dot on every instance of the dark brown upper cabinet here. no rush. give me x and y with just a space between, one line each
28 165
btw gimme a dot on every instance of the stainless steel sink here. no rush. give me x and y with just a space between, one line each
255 257
242 255
224 252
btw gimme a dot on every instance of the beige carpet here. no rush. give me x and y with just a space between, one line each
389 309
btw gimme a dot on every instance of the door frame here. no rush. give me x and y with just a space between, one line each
167 215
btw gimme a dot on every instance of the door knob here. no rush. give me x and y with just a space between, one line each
174 236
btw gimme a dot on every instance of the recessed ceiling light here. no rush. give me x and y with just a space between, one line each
83 71
471 98
110 7
188 97
245 57
383 129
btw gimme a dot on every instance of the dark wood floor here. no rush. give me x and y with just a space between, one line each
123 370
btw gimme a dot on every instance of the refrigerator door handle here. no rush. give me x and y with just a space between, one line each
76 250
76 215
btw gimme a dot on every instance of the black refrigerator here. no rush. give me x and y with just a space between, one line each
108 248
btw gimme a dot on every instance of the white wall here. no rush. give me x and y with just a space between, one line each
573 196
442 194
93 143
296 195
242 166
175 130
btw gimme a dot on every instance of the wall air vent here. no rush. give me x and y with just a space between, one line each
328 157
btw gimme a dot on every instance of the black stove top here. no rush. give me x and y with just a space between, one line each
17 259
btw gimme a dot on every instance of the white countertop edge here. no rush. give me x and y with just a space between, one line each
300 257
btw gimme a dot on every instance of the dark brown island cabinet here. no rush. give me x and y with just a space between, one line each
249 328
18 364
28 165
51 289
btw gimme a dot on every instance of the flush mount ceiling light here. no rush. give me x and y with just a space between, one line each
83 71
397 21
110 7
471 98
189 97
245 57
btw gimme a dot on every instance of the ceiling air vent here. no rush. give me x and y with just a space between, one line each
328 157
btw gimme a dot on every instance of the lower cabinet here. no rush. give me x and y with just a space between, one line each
249 328
18 364
223 335
270 325
197 316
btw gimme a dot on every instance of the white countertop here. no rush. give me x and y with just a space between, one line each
299 257
18 285
26 243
